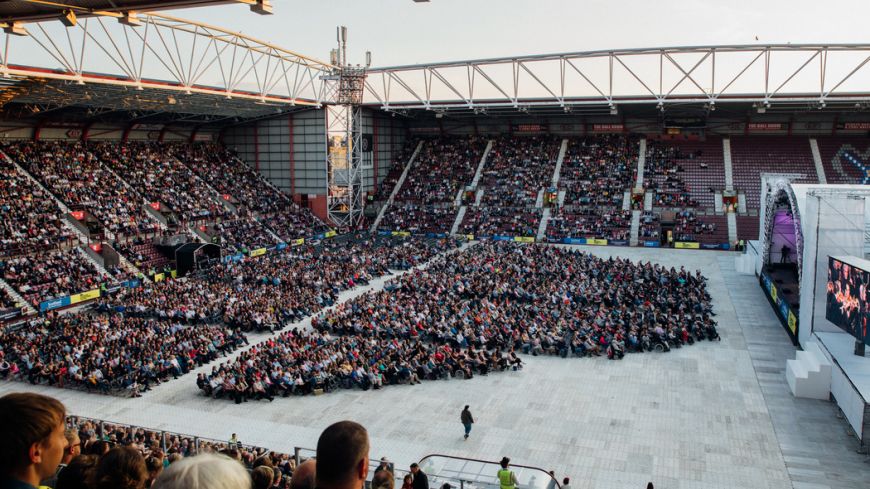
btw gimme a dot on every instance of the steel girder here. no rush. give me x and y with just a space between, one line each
167 53
807 74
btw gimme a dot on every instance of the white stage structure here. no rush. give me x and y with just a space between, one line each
829 220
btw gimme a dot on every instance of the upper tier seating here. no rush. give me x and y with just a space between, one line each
747 227
74 174
846 159
30 216
751 156
684 173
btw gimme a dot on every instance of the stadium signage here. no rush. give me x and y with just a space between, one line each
608 127
426 130
684 245
530 128
861 126
765 126
7 314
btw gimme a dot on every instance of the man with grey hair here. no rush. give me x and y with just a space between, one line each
204 471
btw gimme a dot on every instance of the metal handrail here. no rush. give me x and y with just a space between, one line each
462 482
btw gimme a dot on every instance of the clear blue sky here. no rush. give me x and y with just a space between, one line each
405 32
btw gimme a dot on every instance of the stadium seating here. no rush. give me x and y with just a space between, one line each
73 174
846 159
747 227
244 235
650 227
30 216
425 203
52 274
684 173
752 156
154 171
601 224
143 254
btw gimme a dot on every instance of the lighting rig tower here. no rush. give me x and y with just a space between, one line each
344 139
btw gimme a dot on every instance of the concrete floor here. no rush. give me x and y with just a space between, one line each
712 415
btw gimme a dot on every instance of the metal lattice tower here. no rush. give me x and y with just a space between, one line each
344 158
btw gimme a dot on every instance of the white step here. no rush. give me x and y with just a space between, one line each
741 203
641 163
726 156
160 222
717 202
478 197
732 227
459 216
809 374
817 159
558 171
399 184
19 300
562 194
542 226
539 200
482 164
647 200
626 200
89 258
635 228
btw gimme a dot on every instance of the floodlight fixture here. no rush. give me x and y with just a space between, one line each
130 18
262 7
68 18
16 28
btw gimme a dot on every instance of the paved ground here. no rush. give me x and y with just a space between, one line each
712 415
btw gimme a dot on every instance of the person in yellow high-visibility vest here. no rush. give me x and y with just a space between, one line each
506 477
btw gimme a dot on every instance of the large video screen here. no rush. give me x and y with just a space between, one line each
848 298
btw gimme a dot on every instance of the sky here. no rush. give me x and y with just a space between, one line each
400 32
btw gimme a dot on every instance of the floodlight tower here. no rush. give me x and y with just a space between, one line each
344 148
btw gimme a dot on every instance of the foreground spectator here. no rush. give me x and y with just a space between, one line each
206 471
342 456
33 442
121 468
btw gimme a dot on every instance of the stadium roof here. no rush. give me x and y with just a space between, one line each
41 10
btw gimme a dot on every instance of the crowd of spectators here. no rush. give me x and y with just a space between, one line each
426 201
505 221
52 274
143 254
398 166
109 352
30 217
154 171
72 172
269 291
650 226
662 175
687 227
471 313
243 235
585 222
597 169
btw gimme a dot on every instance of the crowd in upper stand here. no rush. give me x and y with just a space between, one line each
244 234
74 175
30 217
590 223
426 201
597 170
155 172
662 175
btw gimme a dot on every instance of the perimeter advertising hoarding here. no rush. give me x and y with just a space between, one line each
847 304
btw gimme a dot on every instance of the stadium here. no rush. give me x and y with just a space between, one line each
287 264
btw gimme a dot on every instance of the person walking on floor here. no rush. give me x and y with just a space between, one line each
467 420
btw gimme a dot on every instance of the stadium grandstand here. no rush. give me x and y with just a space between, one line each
594 269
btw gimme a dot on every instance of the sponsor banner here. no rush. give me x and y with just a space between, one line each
618 242
280 246
173 274
319 236
502 238
7 314
258 252
765 126
401 233
792 323
710 246
783 310
330 234
54 304
652 244
469 237
773 293
132 283
725 246
298 242
384 233
84 296
857 126
159 277
574 241
524 239
530 128
596 241
683 245
113 289
425 130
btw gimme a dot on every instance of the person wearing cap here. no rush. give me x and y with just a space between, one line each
467 420
506 477
384 465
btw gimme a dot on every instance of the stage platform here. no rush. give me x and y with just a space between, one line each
850 382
